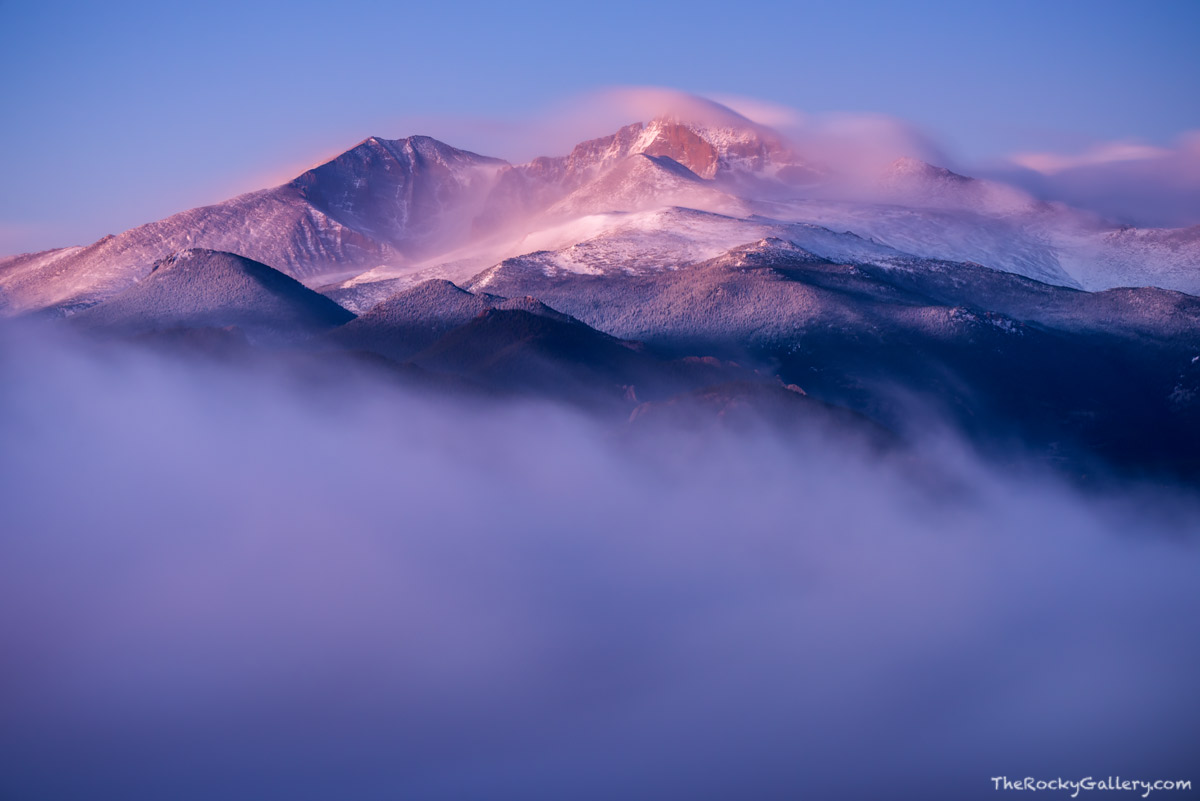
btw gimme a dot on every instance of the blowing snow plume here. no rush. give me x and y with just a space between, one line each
232 582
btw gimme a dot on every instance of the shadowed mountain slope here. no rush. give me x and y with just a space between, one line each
415 318
1002 355
199 288
551 355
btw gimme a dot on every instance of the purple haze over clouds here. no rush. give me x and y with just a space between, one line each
249 584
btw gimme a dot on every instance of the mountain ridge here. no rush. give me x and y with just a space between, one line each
386 209
201 288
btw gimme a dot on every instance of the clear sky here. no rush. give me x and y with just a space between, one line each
117 113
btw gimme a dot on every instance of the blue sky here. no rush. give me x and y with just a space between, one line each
118 113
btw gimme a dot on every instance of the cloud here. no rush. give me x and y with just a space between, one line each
228 582
1103 154
859 144
765 112
1127 181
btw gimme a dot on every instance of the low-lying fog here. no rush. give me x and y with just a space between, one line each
227 583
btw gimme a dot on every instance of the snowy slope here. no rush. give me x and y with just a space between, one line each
1007 243
380 202
1167 258
198 288
274 226
670 239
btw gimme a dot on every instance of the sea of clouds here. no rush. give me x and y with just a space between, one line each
224 581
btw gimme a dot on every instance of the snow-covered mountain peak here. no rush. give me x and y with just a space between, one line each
707 147
917 183
409 152
413 194
712 147
907 166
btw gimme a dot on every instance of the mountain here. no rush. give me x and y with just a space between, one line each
521 350
414 195
913 208
380 202
524 347
1131 256
392 213
273 226
1001 355
666 162
521 345
638 256
642 182
413 319
606 170
198 288
775 291
915 183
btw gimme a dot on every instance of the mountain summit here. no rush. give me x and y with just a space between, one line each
411 194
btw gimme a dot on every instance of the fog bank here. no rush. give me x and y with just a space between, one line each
219 582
